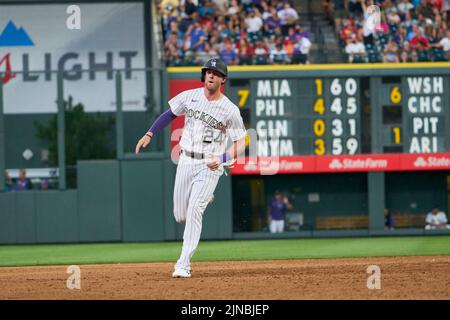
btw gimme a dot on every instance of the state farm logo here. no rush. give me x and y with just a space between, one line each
420 162
431 161
368 163
335 164
273 166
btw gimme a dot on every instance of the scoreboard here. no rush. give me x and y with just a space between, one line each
308 116
346 123
415 114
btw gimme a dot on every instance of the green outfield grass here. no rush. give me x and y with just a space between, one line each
57 254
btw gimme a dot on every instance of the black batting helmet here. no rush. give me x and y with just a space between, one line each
215 64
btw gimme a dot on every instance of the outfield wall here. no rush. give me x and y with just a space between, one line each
129 198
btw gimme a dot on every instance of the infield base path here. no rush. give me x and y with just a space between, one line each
425 277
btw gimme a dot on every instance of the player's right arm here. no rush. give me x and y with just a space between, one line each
177 105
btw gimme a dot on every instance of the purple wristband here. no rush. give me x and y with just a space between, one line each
225 157
163 120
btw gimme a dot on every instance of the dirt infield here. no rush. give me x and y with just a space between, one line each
401 278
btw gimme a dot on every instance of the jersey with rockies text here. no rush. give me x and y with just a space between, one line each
207 123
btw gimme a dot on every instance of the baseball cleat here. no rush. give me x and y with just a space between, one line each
181 273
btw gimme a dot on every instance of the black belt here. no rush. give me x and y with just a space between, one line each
194 155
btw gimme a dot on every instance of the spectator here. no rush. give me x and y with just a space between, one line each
347 30
446 10
408 22
185 23
233 8
389 7
207 22
339 12
253 22
206 9
391 52
261 53
404 7
355 50
273 21
419 40
288 17
425 8
301 50
190 7
354 7
247 5
436 219
276 212
221 6
22 183
9 186
278 55
173 29
445 44
327 8
371 24
389 222
223 29
228 54
266 10
44 184
288 47
173 48
166 6
245 52
197 38
420 44
407 55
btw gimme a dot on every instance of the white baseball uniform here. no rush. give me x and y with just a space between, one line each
439 218
207 126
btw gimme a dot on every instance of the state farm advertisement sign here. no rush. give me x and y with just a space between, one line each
351 163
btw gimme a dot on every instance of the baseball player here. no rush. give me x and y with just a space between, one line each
210 118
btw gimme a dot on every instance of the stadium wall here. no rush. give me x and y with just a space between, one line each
130 199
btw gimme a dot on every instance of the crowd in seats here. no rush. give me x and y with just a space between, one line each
245 32
408 30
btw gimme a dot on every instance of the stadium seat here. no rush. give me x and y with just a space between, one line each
422 56
260 59
373 56
438 54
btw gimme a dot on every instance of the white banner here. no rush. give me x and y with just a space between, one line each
46 37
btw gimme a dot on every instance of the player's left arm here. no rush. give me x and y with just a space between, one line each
232 153
236 131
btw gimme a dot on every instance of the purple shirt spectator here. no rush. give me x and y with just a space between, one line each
278 209
228 55
22 184
196 35
273 23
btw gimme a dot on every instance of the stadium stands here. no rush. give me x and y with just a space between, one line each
408 30
246 32
242 32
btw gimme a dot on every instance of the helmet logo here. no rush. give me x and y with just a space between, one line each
213 63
